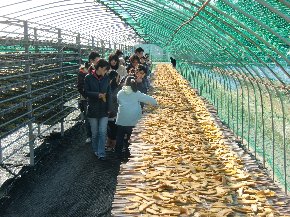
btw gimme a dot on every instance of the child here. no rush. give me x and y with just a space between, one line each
129 111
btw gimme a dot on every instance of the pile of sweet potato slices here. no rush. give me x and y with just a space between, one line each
185 168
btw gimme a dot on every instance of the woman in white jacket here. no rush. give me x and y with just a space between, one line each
129 111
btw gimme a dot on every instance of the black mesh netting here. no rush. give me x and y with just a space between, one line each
70 181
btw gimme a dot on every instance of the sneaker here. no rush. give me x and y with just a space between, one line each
96 153
88 140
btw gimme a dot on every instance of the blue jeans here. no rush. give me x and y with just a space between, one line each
99 135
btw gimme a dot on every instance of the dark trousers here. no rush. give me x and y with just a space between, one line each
83 105
112 130
120 142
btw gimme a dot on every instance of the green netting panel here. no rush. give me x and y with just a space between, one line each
236 53
253 111
253 32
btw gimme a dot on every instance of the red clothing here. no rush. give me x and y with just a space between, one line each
81 81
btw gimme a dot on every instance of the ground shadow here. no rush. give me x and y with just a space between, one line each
68 180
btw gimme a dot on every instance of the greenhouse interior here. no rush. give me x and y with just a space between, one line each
217 143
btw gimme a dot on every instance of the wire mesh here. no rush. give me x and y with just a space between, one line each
38 70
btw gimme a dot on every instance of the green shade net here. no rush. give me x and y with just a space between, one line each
216 31
236 53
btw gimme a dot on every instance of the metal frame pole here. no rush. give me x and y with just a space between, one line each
29 86
102 48
60 55
93 42
1 153
35 41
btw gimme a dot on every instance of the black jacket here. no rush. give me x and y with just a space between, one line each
141 86
97 108
113 75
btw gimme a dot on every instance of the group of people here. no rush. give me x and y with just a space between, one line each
112 95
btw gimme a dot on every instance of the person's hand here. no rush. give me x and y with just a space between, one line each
102 96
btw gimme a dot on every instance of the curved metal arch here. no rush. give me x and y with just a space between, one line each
265 63
239 81
214 34
77 22
253 86
237 94
69 10
285 3
278 64
272 124
178 17
209 77
9 5
124 19
272 71
255 101
284 127
277 92
255 44
270 46
52 5
142 10
241 72
250 52
189 24
38 8
144 7
265 4
261 98
71 29
220 103
65 12
257 21
187 21
189 9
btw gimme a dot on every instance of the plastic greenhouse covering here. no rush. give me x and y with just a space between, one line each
235 52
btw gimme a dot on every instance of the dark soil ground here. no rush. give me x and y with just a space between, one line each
68 180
